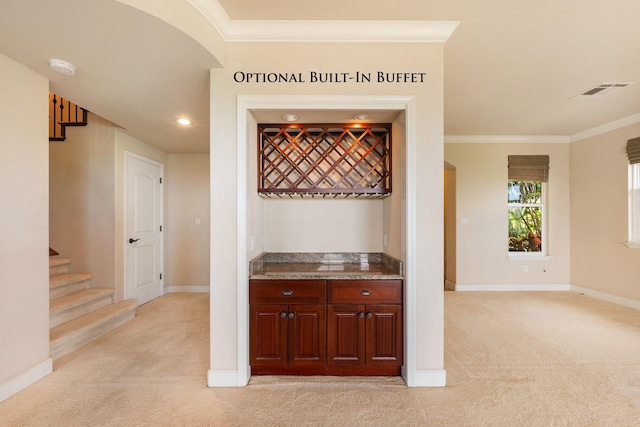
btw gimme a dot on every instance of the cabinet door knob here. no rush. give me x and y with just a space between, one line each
291 315
283 314
365 292
361 315
287 292
369 315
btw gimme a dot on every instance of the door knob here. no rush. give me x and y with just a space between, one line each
133 240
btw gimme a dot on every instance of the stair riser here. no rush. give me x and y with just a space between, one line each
59 269
68 289
56 319
63 347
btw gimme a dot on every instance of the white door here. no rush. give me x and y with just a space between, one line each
143 228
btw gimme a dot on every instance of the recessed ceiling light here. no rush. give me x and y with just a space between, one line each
184 122
290 117
62 67
361 116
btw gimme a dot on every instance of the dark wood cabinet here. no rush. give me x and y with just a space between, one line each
368 333
289 335
332 327
364 335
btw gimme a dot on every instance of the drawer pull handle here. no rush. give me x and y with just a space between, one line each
287 292
365 293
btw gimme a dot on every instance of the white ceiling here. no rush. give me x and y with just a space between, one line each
510 67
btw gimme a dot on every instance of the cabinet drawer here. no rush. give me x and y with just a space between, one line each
364 291
287 292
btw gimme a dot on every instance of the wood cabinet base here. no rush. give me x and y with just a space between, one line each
332 327
327 370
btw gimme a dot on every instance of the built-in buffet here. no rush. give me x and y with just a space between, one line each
326 314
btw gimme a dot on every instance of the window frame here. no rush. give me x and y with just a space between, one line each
541 254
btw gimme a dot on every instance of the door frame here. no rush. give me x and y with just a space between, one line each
131 155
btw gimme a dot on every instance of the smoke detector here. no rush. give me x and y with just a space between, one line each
602 90
62 67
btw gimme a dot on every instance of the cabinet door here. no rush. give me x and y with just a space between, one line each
268 334
307 335
346 335
384 335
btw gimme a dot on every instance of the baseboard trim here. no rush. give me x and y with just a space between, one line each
448 284
192 289
607 297
222 378
512 287
25 379
428 378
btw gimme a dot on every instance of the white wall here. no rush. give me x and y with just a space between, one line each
82 197
425 273
187 260
24 227
316 225
481 197
394 207
87 205
599 216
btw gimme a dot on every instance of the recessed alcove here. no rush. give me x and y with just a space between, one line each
395 214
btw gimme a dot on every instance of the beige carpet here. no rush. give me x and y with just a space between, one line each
512 359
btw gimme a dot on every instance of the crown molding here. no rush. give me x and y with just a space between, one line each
607 127
323 31
506 139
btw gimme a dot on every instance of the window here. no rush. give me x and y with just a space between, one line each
525 216
633 152
525 201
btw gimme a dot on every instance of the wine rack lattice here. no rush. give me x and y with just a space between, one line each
324 160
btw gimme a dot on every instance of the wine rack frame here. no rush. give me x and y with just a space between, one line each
324 160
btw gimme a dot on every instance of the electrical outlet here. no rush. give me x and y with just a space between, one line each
253 242
384 239
525 268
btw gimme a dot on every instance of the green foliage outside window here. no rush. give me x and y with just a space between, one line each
525 216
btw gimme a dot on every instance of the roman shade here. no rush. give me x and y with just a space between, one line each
633 150
529 168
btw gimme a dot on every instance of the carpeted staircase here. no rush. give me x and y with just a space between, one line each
79 313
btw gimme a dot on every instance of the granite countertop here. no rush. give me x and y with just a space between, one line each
364 266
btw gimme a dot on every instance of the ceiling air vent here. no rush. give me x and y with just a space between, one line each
602 90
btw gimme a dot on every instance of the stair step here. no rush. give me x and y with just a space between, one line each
72 335
65 284
69 307
59 265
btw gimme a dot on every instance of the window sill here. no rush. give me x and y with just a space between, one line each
632 245
526 256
